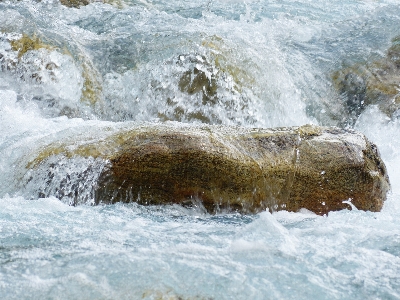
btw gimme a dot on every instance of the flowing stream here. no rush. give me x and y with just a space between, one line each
68 74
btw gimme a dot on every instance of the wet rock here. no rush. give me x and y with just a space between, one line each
75 3
31 60
203 87
197 80
27 43
79 3
371 83
235 169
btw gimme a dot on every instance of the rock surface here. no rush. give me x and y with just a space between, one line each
236 169
75 3
79 3
372 83
30 59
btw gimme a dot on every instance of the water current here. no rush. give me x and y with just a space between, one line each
71 74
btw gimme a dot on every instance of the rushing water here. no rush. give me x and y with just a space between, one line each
267 63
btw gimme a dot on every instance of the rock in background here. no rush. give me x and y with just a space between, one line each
371 83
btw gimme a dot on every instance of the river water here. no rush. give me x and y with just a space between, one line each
94 70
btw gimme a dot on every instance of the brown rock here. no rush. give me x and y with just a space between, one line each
75 3
372 83
79 3
245 170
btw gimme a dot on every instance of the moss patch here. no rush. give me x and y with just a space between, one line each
27 43
91 90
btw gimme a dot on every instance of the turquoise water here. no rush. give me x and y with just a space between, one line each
270 63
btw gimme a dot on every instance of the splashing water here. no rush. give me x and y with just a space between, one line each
71 74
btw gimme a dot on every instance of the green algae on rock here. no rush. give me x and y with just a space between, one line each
236 169
27 43
371 83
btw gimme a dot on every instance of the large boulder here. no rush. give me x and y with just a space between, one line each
236 169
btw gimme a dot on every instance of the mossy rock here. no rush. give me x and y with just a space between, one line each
27 43
236 169
371 83
92 88
197 80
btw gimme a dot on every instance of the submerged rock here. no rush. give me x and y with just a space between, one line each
234 169
371 83
72 83
79 3
75 3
